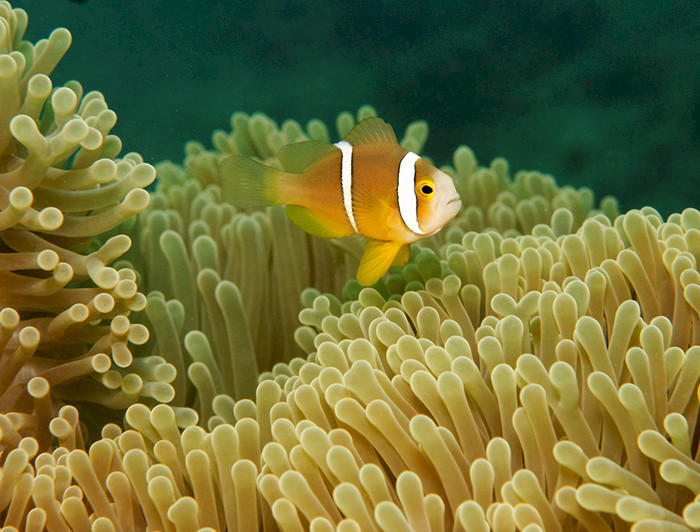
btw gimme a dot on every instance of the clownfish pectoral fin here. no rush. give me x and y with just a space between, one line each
370 208
248 183
298 157
371 130
402 256
376 260
314 224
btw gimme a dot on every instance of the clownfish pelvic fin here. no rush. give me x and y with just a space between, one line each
402 256
375 261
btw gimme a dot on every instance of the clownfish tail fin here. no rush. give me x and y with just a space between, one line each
248 183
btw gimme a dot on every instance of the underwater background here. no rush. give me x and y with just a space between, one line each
602 94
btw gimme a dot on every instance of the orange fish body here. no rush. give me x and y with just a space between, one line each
366 184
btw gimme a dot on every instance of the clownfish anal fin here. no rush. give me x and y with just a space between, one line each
352 244
375 262
402 256
371 130
298 157
314 224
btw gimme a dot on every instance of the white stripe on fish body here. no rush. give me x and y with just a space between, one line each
406 192
346 180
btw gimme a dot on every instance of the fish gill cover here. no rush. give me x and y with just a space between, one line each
535 365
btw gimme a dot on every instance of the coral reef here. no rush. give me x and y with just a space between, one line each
65 331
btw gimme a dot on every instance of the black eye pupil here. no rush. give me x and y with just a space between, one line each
426 189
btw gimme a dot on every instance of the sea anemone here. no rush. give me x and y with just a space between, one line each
534 366
235 276
66 334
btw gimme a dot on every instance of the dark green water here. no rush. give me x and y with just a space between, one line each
604 94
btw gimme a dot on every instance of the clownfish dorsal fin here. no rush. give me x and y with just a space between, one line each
298 157
371 130
376 259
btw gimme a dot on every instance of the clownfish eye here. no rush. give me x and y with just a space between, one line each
426 188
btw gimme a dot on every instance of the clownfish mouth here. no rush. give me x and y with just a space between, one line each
456 199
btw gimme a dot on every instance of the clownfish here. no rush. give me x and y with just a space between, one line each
366 184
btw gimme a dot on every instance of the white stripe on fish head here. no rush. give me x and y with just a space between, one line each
406 192
346 180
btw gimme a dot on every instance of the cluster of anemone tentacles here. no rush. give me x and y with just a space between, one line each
534 366
65 331
236 274
229 296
